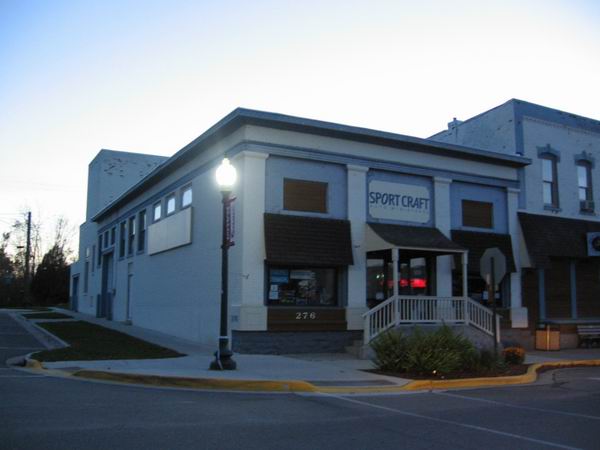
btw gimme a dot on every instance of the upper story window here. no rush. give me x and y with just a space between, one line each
302 195
186 196
584 184
141 230
131 240
550 180
170 204
122 239
157 212
477 214
113 232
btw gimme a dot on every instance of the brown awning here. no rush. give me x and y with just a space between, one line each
477 243
300 240
381 236
547 236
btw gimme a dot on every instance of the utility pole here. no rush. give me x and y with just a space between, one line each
27 257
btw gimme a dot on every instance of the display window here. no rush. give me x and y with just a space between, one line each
302 286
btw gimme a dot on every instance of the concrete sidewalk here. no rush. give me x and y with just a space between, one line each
319 369
341 371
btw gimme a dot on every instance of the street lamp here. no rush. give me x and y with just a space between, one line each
226 176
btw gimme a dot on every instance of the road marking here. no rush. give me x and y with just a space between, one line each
595 379
453 422
530 408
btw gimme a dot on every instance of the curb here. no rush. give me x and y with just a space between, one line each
304 386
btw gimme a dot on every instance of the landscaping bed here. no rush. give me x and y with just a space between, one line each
47 315
442 355
90 342
511 370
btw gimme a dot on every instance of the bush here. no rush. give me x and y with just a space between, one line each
439 352
390 350
513 355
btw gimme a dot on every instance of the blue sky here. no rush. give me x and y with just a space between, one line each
78 76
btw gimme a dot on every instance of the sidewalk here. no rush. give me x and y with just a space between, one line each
320 369
341 372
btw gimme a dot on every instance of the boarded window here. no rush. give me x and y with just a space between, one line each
477 214
301 195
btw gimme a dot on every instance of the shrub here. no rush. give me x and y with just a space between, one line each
439 352
513 355
390 349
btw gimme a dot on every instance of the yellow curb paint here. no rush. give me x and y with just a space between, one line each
33 364
303 386
200 383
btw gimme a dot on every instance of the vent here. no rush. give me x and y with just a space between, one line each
593 240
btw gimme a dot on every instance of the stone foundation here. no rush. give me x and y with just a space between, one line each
290 342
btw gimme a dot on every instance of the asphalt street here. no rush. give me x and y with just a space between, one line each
43 412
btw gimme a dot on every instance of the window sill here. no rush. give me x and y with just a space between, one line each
552 208
586 213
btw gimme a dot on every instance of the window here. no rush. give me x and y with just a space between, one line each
302 195
141 230
86 277
477 214
105 242
122 240
113 231
170 204
86 270
186 196
157 212
99 250
131 229
550 183
584 183
94 256
302 286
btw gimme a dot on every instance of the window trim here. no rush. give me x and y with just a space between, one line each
183 190
554 198
131 235
160 215
122 238
142 226
589 188
173 197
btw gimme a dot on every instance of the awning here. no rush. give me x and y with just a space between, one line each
477 243
547 236
300 240
383 236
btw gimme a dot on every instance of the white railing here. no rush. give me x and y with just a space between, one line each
420 309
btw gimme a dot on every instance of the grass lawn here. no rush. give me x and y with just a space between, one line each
47 315
93 342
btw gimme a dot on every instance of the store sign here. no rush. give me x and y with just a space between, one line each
397 201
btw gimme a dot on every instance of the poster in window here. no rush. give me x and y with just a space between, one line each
280 276
302 275
274 292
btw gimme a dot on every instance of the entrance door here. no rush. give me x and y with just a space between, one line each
415 275
106 300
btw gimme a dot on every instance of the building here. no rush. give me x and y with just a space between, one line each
558 217
335 227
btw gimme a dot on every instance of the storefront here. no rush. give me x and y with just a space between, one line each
561 281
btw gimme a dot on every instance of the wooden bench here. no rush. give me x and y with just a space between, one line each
589 335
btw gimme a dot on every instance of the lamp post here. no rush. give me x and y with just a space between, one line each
226 176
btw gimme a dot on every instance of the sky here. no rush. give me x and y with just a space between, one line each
150 76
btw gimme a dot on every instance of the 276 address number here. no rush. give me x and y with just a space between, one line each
306 315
